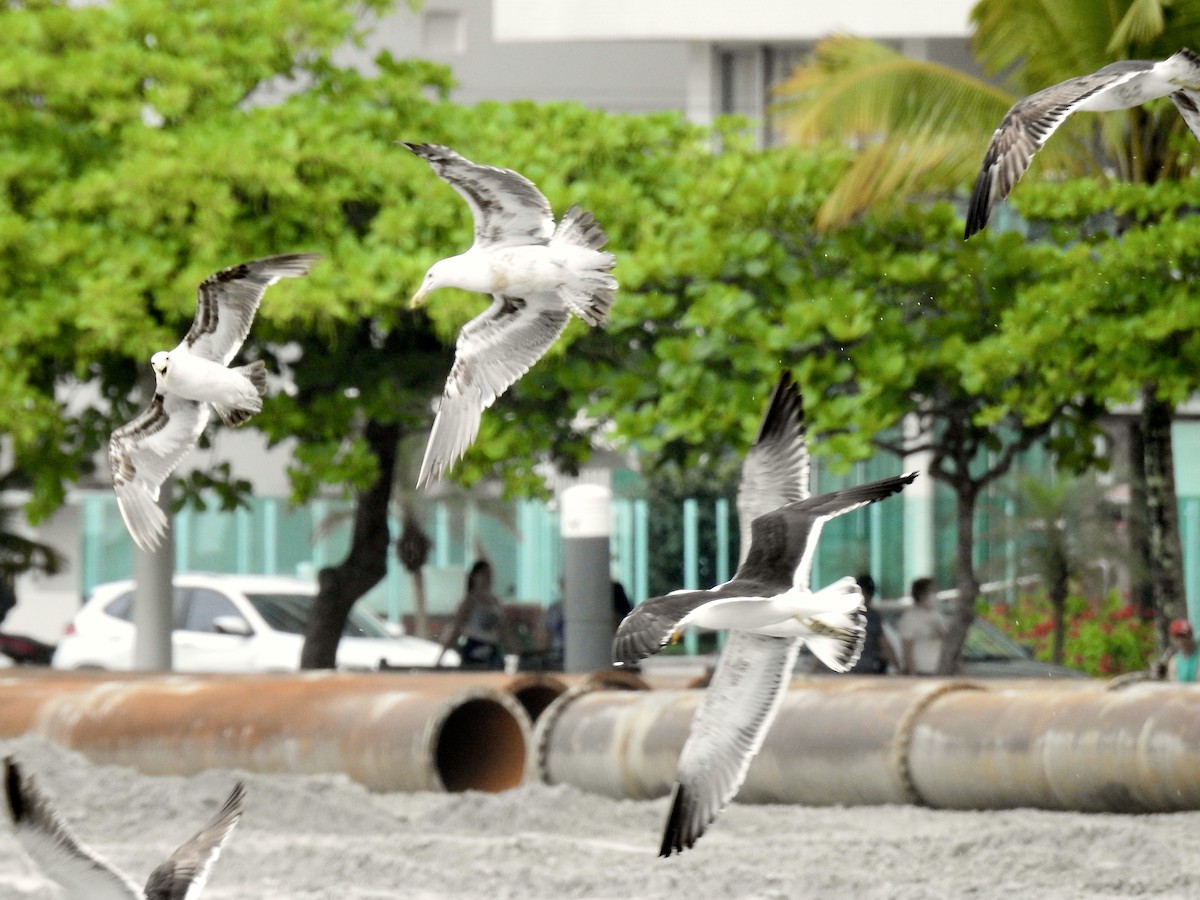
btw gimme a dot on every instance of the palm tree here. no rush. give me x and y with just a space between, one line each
922 130
922 127
1069 529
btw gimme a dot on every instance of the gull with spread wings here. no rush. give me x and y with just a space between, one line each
84 874
769 611
1028 125
190 378
538 275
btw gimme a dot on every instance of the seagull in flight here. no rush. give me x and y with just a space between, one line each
145 451
1028 125
84 875
538 274
769 611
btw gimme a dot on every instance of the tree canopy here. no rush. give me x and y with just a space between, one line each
153 159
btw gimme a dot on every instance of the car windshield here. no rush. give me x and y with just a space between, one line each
987 642
289 612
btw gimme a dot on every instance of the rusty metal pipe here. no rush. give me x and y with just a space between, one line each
442 736
1125 751
950 744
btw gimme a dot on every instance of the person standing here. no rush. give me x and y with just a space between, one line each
921 632
1183 662
480 622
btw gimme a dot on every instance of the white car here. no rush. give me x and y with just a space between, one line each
234 623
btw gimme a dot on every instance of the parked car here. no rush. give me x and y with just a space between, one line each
234 623
987 651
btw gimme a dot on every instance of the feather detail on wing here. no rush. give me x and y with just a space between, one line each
783 541
227 301
184 875
143 453
54 848
507 207
738 707
1188 103
494 349
649 626
1023 131
776 470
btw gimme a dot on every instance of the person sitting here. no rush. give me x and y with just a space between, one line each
921 631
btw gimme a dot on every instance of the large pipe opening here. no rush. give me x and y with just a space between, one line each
480 746
536 696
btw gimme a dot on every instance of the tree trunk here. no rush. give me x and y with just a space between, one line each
1162 512
964 578
413 552
365 565
1141 590
1058 604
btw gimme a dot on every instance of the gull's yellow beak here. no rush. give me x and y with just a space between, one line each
417 300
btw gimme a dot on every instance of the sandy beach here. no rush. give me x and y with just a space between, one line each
327 838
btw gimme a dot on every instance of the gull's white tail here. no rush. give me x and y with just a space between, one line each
836 636
591 295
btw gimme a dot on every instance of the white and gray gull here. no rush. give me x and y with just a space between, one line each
1028 125
769 610
84 875
146 450
538 275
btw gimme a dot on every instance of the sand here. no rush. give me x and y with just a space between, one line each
326 838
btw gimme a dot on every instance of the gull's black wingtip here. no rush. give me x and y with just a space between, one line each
681 830
785 409
673 840
12 790
980 206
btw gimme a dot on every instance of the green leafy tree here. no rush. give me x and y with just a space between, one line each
923 129
877 321
139 154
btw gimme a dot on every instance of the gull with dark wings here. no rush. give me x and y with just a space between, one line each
538 275
769 610
190 378
84 874
1028 125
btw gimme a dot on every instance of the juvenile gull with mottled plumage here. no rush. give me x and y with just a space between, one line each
537 274
1028 125
146 450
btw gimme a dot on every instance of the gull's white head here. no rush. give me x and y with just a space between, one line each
435 278
159 362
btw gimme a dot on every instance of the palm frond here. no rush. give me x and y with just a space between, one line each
920 128
1043 42
1143 22
857 89
897 169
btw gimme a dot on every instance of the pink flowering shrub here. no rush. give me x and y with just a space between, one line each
1102 639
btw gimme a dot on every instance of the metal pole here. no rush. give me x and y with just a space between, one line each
691 565
154 596
587 602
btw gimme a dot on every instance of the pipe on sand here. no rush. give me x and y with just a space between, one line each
438 736
949 744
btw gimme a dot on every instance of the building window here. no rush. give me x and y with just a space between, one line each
443 33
